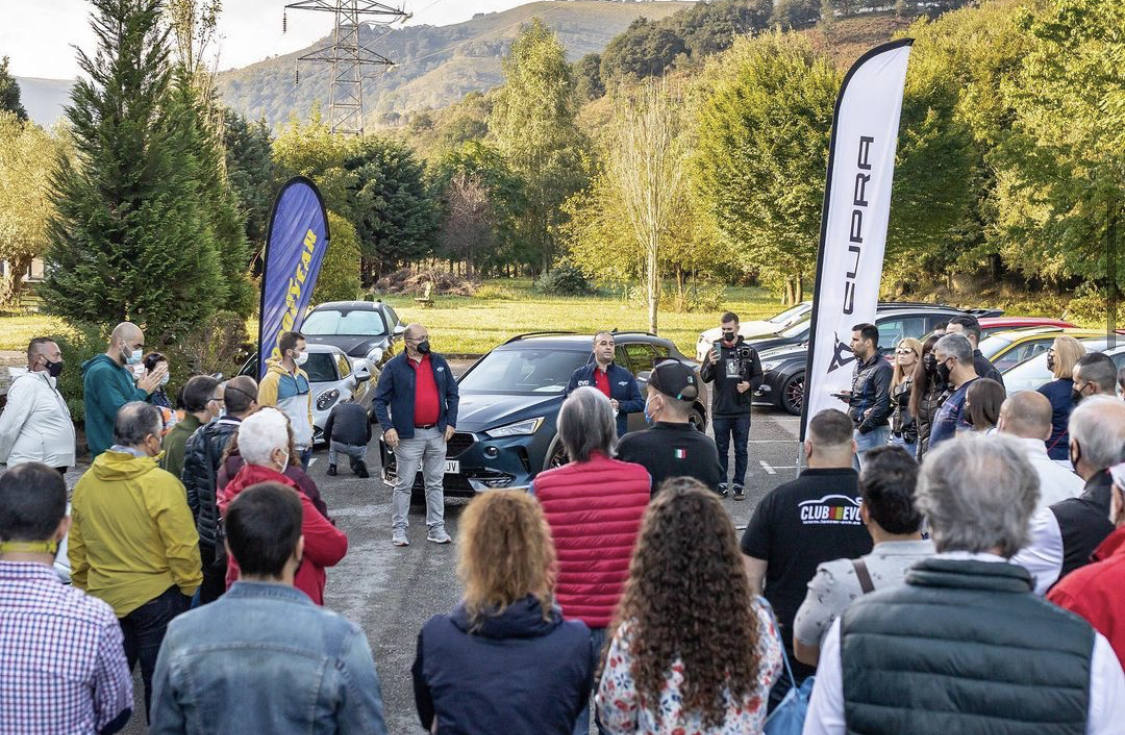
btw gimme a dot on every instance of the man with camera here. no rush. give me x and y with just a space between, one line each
734 368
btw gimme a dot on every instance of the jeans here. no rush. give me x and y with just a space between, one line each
305 455
214 576
425 451
866 442
144 630
354 453
738 427
910 447
582 724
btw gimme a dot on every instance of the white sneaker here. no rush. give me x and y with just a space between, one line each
438 536
399 539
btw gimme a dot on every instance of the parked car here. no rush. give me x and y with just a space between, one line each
331 379
510 399
1008 348
992 324
757 328
1033 373
783 382
364 330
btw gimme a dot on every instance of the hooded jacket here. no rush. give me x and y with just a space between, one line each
132 535
106 387
202 457
293 395
325 545
518 672
36 425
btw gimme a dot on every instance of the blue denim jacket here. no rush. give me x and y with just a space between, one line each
264 659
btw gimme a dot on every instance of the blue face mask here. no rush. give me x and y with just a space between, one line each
649 418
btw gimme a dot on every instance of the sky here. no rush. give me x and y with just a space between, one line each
38 35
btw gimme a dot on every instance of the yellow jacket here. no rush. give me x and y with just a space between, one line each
132 535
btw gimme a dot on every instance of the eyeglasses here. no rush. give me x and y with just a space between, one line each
905 352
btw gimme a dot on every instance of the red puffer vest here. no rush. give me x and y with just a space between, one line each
594 510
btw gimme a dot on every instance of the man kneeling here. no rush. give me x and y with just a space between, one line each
263 657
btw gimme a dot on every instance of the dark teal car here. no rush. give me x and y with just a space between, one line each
510 399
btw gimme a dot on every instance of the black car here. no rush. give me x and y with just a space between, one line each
510 399
362 329
783 382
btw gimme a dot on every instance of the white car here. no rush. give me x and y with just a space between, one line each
758 328
1032 373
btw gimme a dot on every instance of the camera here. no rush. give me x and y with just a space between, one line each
743 352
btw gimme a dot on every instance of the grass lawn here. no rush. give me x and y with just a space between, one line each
475 324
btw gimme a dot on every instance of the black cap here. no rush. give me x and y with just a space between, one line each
675 379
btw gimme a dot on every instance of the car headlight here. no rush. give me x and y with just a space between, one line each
326 399
520 428
374 356
769 365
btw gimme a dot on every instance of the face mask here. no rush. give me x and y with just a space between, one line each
54 369
301 358
943 373
649 418
165 379
284 463
1076 396
424 347
131 358
729 338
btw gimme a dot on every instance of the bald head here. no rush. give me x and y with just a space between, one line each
1026 414
414 335
126 343
126 331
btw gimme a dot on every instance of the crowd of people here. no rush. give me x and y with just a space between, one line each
938 567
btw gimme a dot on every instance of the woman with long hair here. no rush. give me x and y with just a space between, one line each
692 650
927 393
504 661
1064 354
904 430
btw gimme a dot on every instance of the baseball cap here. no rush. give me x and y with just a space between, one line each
675 379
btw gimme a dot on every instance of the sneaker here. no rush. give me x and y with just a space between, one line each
722 489
331 470
361 470
399 538
739 493
438 536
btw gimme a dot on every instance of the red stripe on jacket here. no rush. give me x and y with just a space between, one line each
594 510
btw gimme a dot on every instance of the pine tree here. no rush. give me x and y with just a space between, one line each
10 92
129 239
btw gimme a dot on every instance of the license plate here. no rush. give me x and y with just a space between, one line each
452 467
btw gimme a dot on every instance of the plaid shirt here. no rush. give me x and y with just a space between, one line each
62 657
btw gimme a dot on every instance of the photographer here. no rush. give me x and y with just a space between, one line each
734 368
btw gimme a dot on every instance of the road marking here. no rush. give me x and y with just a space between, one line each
767 468
312 461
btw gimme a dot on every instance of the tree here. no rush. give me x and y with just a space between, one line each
395 215
467 232
533 124
128 239
250 173
311 149
589 75
646 164
762 152
10 93
27 155
339 272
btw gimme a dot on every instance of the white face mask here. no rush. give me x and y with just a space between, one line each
132 358
165 379
302 358
284 462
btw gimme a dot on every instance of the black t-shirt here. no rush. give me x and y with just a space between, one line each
673 450
798 526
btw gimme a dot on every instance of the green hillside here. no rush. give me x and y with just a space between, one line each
434 65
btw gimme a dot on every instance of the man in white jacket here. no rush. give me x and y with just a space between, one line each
35 426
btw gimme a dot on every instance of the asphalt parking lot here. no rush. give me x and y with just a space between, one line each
390 592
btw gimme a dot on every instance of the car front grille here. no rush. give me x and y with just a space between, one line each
460 442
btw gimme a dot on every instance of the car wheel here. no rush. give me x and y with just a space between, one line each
793 394
556 456
697 420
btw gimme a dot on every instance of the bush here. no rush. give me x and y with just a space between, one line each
565 279
77 346
221 345
409 282
495 293
339 273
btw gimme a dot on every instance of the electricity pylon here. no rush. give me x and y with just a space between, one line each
351 61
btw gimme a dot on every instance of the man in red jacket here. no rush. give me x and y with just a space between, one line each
1094 591
263 441
594 507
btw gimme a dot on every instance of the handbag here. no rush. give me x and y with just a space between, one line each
788 718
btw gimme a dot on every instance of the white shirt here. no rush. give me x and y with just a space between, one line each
36 425
1043 555
1107 682
1055 483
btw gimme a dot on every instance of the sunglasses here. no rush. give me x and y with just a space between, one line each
905 352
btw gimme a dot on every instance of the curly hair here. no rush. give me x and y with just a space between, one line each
506 553
688 599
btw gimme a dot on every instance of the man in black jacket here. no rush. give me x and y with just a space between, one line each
734 368
203 453
869 404
970 327
348 431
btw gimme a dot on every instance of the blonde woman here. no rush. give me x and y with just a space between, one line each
1064 353
504 661
904 429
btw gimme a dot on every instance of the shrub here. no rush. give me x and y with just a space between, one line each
77 345
565 279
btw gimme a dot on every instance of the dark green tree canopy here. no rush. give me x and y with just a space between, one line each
10 92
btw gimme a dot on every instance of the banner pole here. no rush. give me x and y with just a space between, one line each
797 473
